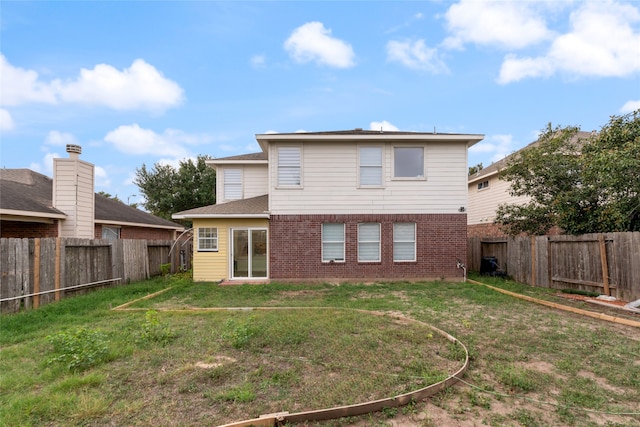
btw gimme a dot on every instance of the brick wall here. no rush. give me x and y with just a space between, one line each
138 233
296 247
485 230
19 229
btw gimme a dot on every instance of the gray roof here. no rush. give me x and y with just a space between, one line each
29 191
254 206
502 163
251 156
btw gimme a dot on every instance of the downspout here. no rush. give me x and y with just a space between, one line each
460 264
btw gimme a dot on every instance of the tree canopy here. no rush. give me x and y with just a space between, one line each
589 185
168 190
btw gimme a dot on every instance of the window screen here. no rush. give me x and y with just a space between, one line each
371 166
289 166
368 242
404 242
332 242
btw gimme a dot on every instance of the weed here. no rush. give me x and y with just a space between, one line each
78 349
239 334
243 393
153 330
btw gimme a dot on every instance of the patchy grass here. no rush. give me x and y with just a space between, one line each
531 365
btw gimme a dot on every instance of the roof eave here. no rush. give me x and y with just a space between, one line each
33 214
219 216
236 162
138 224
470 139
480 177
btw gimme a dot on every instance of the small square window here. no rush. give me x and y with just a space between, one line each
408 162
483 184
207 239
110 233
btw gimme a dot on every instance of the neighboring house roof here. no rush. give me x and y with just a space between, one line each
496 167
23 190
28 193
254 207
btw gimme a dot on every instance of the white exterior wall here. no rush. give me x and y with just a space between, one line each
330 181
484 203
73 194
254 181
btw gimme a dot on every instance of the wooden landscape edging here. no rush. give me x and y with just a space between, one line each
600 316
278 418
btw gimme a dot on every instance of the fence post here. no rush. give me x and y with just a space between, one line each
533 261
56 279
36 272
605 264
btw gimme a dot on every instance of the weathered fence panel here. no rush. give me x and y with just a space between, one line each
606 263
35 272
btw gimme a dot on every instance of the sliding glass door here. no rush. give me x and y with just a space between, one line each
249 253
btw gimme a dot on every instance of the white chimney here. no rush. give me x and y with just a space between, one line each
73 194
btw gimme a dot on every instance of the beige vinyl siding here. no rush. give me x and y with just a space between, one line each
444 189
484 203
73 194
214 266
254 181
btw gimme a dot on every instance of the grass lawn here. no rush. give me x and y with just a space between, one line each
78 362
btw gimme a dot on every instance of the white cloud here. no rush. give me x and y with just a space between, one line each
258 61
6 121
509 24
601 42
383 125
313 42
20 86
60 138
499 146
46 167
132 139
630 106
140 86
416 55
101 177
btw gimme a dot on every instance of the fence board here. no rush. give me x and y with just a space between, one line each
564 261
81 261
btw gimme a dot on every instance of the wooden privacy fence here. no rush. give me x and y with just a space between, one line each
607 263
34 272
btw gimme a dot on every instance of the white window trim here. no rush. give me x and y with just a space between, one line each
379 241
408 178
331 261
277 177
224 184
216 239
381 147
481 185
414 241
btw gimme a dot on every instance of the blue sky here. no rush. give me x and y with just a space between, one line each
138 82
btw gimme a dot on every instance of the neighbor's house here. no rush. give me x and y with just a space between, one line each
34 205
352 205
487 191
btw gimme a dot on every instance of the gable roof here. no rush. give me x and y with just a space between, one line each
28 193
496 167
253 207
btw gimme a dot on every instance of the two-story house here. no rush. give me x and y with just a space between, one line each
341 205
487 191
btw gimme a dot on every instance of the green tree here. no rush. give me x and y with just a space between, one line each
582 186
168 190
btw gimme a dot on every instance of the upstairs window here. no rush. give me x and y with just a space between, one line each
370 159
232 184
207 239
408 162
404 242
483 184
289 166
369 242
332 242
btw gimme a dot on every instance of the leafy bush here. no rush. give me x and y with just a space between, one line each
238 335
78 349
